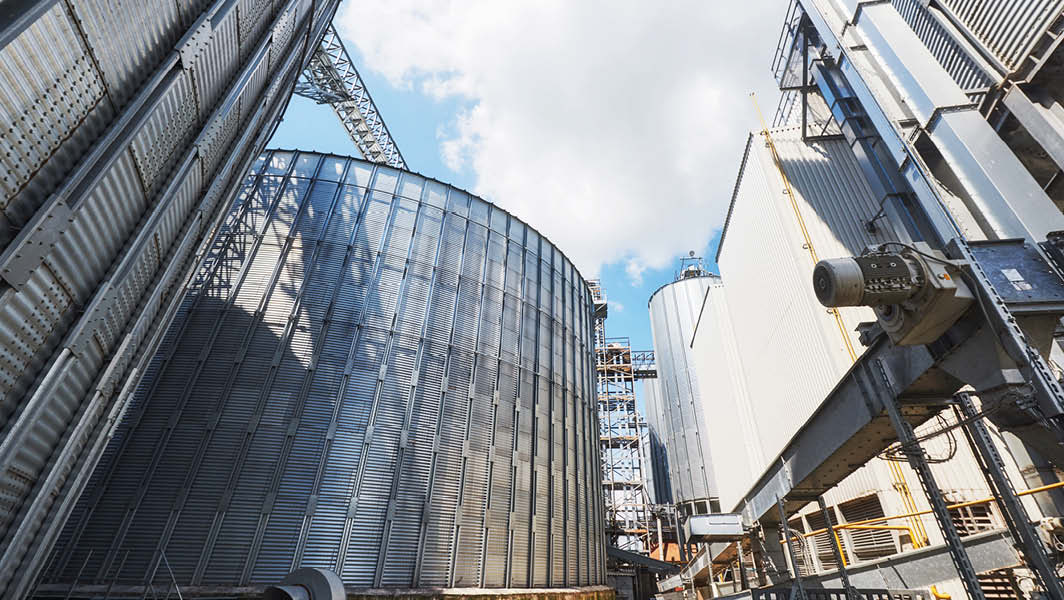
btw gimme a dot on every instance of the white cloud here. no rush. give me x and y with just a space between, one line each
616 306
615 128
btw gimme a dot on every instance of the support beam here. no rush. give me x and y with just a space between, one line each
922 568
1015 514
850 428
1045 125
331 78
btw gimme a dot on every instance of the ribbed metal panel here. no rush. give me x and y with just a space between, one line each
674 311
783 353
660 485
129 40
792 351
129 126
344 388
53 105
946 47
1009 30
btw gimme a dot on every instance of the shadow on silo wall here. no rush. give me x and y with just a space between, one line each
331 360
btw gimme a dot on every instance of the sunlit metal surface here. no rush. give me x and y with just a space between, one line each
374 373
127 129
331 78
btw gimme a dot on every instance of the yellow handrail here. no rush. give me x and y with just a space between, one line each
938 595
1043 488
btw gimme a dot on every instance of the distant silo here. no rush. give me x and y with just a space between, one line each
374 373
660 487
674 309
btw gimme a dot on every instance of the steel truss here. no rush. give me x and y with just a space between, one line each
631 523
331 78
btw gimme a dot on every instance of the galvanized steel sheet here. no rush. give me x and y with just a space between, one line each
674 311
105 203
1009 30
339 392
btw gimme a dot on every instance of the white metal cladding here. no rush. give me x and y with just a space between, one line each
729 422
374 373
792 350
1008 29
660 487
127 129
673 312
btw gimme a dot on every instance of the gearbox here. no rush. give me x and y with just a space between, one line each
916 292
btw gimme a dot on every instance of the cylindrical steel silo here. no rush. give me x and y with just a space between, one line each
127 126
374 373
674 309
657 457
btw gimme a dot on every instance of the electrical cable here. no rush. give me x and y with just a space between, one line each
899 452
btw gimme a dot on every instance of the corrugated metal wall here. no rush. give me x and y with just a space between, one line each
127 127
375 373
660 486
948 49
791 349
1008 29
674 310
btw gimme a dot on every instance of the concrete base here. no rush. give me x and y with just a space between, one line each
214 592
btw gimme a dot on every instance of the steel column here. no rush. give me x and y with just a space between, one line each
1015 514
918 461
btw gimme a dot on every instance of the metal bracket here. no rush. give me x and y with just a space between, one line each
1016 518
38 238
195 42
918 461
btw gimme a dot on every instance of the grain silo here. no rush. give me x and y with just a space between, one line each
374 373
674 309
660 488
126 127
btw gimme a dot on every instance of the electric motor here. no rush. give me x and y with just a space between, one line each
915 292
873 279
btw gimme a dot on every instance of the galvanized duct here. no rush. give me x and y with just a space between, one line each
1010 31
948 50
130 126
373 373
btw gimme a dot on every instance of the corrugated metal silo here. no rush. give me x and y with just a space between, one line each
374 373
674 311
660 487
127 126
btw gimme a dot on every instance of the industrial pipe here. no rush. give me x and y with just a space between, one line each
307 584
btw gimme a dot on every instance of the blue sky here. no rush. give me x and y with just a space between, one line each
413 119
500 98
